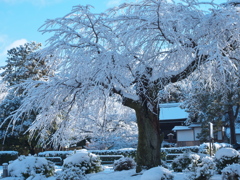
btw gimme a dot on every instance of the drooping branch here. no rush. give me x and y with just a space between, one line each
184 73
126 101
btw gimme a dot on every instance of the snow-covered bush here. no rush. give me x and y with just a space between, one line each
182 162
77 165
205 148
201 171
157 173
231 172
71 173
226 156
6 156
124 163
30 166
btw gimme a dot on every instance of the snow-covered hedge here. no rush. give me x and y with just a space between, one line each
6 156
226 156
30 166
62 154
127 152
231 172
194 149
124 163
75 166
157 173
205 147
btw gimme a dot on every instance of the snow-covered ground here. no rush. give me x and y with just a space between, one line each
109 174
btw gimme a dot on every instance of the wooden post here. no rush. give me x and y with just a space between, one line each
5 170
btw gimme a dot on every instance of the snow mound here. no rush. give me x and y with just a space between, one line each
231 171
27 166
157 173
226 152
80 156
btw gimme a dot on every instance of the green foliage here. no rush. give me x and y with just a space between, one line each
124 163
22 63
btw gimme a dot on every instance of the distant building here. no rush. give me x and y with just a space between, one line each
187 135
171 115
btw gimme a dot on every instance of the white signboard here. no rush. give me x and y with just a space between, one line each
211 130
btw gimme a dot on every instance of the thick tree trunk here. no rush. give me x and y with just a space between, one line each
149 139
232 118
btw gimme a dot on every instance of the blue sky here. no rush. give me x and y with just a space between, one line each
20 19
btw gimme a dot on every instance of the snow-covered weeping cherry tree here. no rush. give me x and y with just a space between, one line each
130 52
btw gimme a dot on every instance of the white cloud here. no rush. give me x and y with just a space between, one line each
3 50
16 44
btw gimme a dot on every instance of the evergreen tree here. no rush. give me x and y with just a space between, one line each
22 64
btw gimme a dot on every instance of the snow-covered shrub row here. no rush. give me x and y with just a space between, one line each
226 156
30 166
200 171
231 172
75 166
157 173
127 152
124 163
205 147
180 149
6 156
62 154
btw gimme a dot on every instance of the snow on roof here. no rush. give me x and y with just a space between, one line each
194 125
171 111
181 128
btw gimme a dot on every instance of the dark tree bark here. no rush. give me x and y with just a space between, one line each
149 134
149 139
232 118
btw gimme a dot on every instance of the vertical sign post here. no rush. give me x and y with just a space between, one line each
211 137
5 170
